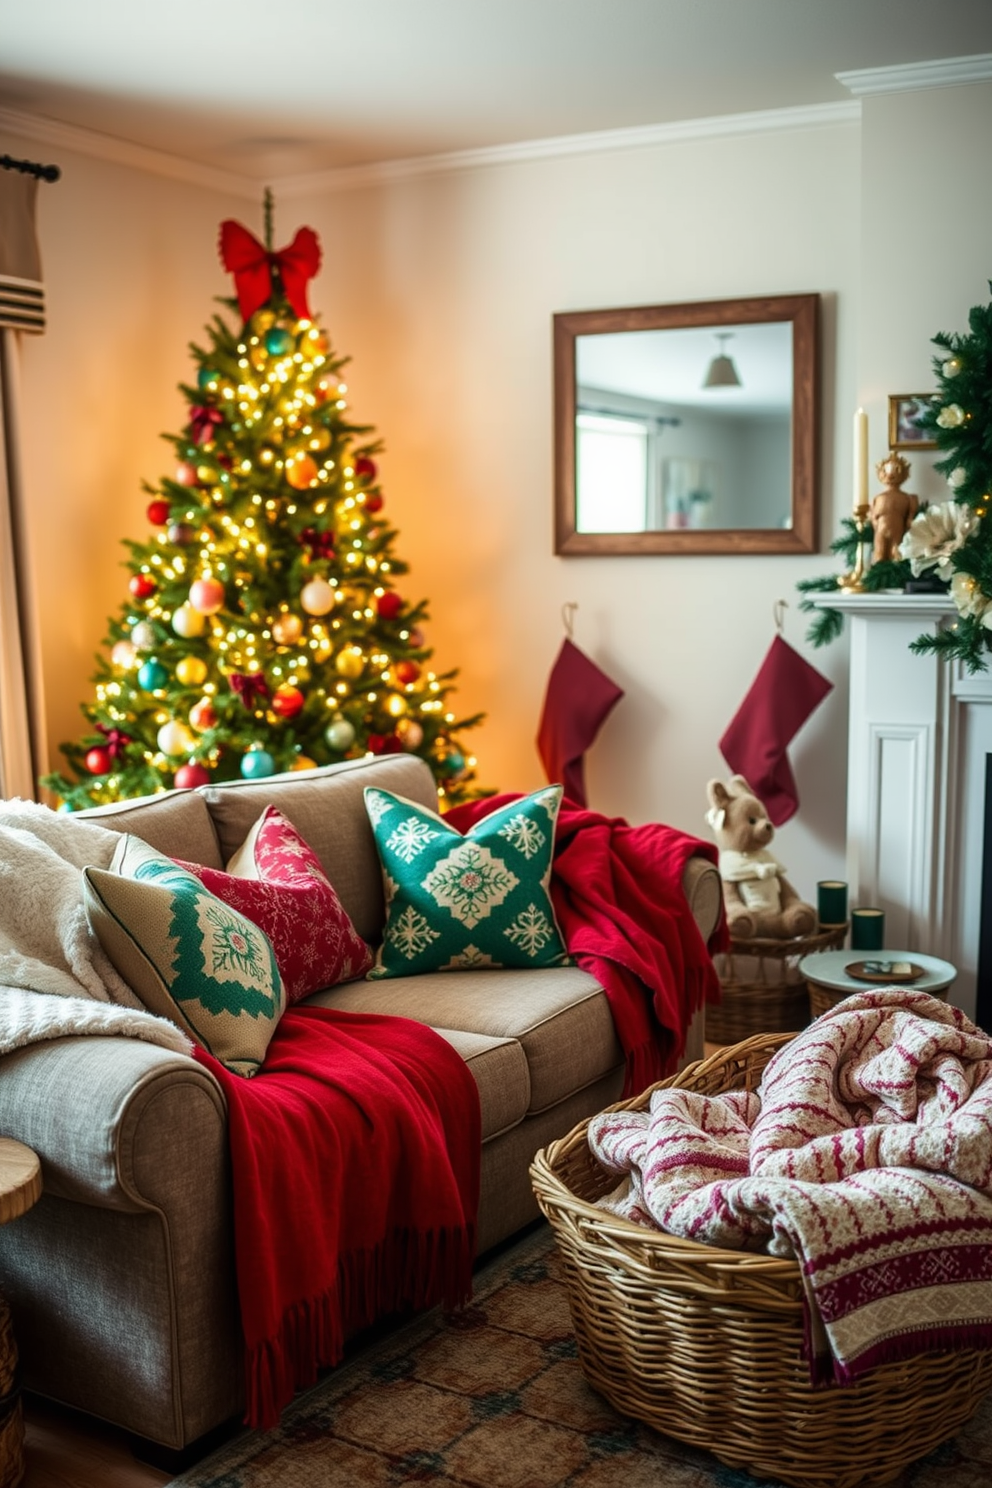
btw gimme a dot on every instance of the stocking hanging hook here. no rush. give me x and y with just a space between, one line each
568 610
778 612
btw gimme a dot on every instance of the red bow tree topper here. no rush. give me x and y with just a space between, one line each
252 263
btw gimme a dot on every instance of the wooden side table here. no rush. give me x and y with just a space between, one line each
20 1187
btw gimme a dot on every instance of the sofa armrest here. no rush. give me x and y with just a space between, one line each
704 890
117 1122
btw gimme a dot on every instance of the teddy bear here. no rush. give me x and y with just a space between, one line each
758 898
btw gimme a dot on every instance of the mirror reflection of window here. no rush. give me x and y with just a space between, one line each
612 479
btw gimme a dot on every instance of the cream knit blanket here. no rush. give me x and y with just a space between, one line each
866 1154
55 979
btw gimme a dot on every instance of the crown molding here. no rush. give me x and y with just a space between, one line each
122 152
945 73
349 178
763 121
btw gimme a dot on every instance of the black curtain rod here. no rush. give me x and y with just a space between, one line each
31 168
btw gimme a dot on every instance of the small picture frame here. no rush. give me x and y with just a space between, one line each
905 412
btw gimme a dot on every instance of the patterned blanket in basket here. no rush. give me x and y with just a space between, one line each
866 1154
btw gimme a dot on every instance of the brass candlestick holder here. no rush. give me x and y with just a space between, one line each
854 582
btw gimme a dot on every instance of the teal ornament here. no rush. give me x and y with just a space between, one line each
454 762
340 734
257 764
278 341
152 676
207 378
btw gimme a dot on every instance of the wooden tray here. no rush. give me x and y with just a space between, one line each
874 969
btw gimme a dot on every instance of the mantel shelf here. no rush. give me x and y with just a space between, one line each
886 602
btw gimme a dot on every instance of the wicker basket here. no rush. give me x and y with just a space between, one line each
704 1344
11 1409
762 991
822 999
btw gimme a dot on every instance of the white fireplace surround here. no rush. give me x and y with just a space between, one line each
919 731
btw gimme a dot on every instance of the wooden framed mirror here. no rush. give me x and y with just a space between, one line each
688 428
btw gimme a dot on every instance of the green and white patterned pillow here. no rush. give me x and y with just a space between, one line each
454 902
186 954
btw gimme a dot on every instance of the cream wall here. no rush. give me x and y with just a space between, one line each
442 287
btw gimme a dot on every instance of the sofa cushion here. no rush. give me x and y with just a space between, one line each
326 807
559 1016
455 902
276 881
186 955
176 823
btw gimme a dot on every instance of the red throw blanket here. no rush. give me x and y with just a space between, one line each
617 892
355 1156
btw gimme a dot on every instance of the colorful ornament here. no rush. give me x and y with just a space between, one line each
396 705
417 638
98 760
181 533
320 439
373 502
258 356
317 597
318 341
186 473
124 654
388 605
340 734
207 596
951 367
287 700
365 468
410 733
303 762
278 341
152 676
207 378
158 513
287 629
144 636
142 585
174 738
257 764
191 776
325 388
191 671
350 662
188 622
301 472
453 763
205 475
406 672
203 715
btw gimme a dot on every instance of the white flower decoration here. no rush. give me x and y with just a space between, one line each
967 596
936 534
951 417
957 477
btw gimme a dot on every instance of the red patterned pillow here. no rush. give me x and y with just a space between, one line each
276 881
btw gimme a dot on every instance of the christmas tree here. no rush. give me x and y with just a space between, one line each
263 630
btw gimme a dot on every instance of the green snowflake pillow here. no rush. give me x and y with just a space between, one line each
454 902
186 955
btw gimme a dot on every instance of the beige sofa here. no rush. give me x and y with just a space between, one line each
121 1279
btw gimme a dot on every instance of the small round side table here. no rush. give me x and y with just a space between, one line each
829 983
20 1187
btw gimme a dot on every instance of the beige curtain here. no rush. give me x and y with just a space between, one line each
23 749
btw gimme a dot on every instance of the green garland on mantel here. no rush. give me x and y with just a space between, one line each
950 538
828 623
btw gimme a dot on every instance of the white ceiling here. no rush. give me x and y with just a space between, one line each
274 88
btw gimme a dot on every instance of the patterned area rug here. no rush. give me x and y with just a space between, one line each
493 1397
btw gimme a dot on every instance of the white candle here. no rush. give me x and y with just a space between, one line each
860 458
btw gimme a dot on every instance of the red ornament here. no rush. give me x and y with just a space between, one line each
158 513
287 701
388 605
186 473
142 585
98 760
365 469
377 743
392 744
406 672
373 502
188 777
207 596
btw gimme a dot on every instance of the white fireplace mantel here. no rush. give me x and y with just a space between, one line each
918 734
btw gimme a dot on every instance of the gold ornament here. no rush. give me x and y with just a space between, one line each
303 762
396 705
350 662
410 733
317 597
320 439
262 321
287 629
205 474
301 472
258 356
191 671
